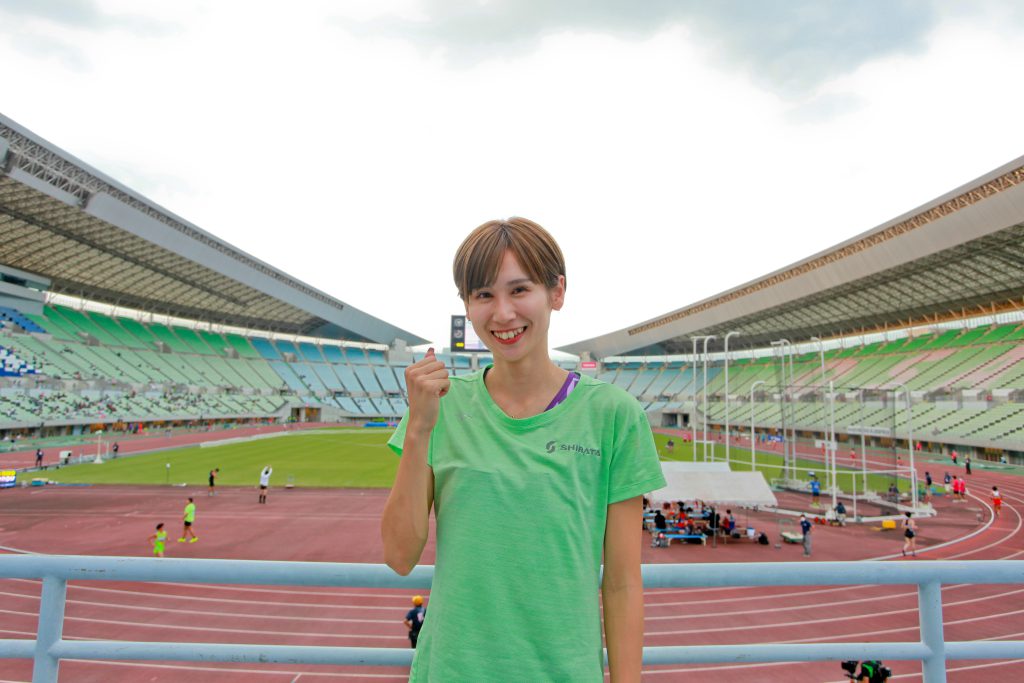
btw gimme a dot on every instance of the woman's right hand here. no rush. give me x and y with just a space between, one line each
426 383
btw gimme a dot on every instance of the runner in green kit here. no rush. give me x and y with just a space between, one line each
159 539
190 518
515 595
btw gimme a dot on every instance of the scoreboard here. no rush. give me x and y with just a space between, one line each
464 338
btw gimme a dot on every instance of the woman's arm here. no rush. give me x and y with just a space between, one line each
406 521
622 591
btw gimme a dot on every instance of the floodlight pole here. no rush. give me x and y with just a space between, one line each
863 445
753 441
821 355
693 424
783 344
910 444
729 334
705 393
832 439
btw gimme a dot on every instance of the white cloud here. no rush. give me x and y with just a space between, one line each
357 161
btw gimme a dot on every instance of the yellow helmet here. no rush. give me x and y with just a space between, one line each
417 600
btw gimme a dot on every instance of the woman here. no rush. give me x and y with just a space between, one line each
562 458
159 540
909 535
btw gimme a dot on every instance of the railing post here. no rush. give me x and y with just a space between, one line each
51 628
929 597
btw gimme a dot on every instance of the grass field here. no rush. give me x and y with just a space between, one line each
325 458
345 458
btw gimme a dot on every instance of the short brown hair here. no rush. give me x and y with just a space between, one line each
478 258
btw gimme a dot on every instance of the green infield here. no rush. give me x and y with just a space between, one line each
324 458
347 458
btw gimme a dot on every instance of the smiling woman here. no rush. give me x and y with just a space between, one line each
562 458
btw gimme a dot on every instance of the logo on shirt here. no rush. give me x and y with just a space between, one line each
579 449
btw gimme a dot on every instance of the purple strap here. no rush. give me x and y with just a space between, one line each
563 393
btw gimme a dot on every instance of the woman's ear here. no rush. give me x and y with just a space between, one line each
556 295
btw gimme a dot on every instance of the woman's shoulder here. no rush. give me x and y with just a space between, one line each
605 390
606 396
464 385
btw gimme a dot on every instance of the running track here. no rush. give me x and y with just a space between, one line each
322 525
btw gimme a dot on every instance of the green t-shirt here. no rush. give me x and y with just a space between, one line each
521 507
190 512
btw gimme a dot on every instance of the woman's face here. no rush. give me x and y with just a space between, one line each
512 315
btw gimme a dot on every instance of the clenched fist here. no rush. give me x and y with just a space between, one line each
426 383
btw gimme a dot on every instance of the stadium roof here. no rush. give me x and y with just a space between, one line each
94 238
958 256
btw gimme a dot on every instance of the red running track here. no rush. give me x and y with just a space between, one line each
342 526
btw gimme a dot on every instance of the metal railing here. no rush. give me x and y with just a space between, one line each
932 649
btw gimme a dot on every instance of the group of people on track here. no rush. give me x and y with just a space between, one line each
158 539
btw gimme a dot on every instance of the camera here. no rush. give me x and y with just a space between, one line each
871 671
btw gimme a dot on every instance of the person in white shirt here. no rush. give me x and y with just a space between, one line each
265 482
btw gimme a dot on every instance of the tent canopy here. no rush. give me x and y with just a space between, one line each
713 483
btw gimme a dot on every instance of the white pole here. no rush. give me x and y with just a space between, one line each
782 409
910 446
705 392
821 356
863 446
788 446
853 483
792 408
730 334
832 439
693 421
753 440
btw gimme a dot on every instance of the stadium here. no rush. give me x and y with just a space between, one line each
127 331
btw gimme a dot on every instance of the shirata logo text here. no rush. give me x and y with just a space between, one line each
578 449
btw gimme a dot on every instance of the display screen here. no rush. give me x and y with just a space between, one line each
464 338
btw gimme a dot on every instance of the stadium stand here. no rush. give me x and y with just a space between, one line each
930 303
130 326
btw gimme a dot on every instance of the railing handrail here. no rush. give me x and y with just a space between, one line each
932 650
703 575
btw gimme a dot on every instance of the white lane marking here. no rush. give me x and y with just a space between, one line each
240 615
176 627
912 595
843 618
225 670
197 598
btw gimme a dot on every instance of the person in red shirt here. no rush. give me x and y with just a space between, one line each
960 489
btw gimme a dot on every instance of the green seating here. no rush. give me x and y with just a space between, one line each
139 332
164 334
242 346
942 341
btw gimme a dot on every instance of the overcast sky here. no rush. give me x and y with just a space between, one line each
675 149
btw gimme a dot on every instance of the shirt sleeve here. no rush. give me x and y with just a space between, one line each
397 439
635 468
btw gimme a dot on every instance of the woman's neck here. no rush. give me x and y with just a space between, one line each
524 388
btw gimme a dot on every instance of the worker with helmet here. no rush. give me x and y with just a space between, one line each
414 619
